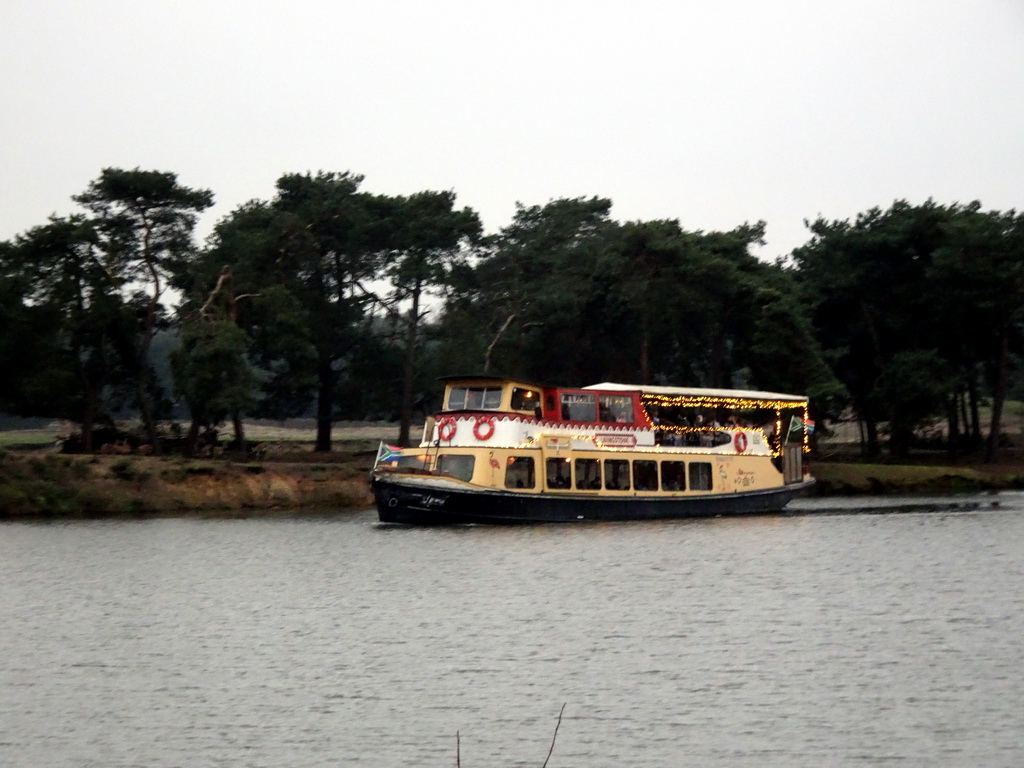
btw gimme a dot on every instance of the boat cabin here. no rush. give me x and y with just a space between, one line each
553 404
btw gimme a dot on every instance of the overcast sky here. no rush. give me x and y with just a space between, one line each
714 113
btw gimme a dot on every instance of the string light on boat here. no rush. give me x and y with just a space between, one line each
706 401
807 432
684 430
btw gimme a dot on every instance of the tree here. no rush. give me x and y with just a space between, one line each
37 379
783 353
213 375
524 310
979 272
72 309
687 297
426 240
866 283
144 220
210 365
568 294
304 256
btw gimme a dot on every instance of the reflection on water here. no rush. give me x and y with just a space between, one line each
797 640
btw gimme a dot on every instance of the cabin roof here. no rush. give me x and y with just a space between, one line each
699 392
488 377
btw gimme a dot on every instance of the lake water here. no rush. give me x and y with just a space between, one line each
799 640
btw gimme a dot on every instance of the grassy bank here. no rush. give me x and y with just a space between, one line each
55 485
848 478
41 483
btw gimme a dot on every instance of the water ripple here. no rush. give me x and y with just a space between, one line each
797 640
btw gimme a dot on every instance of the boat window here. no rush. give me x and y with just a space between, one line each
419 461
700 476
577 406
616 409
459 467
616 474
474 398
519 472
645 475
559 473
588 474
673 476
525 399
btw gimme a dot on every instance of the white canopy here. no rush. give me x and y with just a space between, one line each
701 393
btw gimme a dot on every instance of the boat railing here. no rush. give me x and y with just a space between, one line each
792 463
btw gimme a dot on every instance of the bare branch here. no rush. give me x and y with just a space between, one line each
376 299
554 737
497 337
225 275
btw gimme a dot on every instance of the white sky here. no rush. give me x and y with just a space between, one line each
715 112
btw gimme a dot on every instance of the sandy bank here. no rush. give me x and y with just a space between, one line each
53 485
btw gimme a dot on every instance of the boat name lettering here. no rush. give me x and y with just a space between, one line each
572 399
615 441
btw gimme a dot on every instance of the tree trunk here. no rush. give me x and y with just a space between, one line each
88 419
964 419
148 330
872 447
236 419
324 406
720 375
952 425
899 437
998 395
972 393
645 359
192 439
145 412
409 368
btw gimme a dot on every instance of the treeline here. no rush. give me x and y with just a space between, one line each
330 300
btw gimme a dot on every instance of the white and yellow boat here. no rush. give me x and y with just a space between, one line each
506 451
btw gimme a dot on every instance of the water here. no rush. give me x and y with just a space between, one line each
803 640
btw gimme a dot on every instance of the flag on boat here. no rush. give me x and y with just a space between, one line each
797 423
387 453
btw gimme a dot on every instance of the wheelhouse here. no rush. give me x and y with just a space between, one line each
553 404
492 394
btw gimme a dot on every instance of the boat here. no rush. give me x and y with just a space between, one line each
505 451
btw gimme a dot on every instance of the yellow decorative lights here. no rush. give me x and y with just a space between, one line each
707 401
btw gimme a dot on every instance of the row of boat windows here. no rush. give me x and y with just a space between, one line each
592 474
475 398
586 407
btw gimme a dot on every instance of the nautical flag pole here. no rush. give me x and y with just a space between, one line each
387 453
805 424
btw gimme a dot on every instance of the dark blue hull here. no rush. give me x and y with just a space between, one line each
415 504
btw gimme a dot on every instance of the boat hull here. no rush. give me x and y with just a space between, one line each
415 502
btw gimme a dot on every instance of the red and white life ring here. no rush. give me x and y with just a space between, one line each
446 428
740 441
484 427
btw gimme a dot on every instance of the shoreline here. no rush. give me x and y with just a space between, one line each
46 485
53 486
